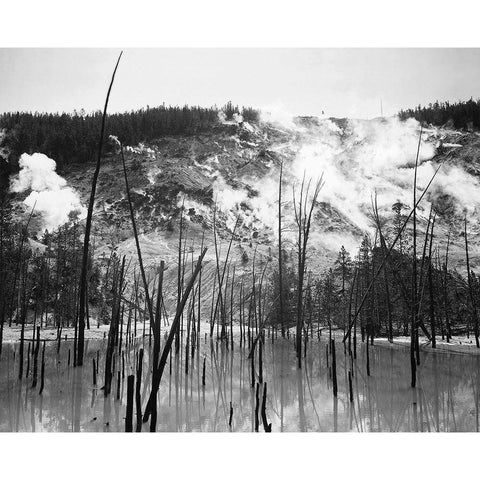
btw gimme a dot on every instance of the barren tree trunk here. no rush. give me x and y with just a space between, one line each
168 344
88 226
470 290
430 288
280 259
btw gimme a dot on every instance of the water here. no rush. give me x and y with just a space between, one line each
447 397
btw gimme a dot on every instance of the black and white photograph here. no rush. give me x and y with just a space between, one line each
239 239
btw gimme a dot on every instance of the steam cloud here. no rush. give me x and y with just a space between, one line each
52 198
237 118
357 159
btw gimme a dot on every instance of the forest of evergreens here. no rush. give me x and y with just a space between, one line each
459 115
73 138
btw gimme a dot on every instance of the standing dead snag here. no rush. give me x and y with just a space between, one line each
252 365
28 361
353 284
350 387
118 384
303 218
260 359
137 243
231 416
42 373
156 326
94 372
256 407
35 358
430 289
383 244
168 345
470 289
334 367
19 267
113 330
445 291
129 415
379 268
280 259
414 327
231 307
266 426
180 273
220 300
199 288
88 226
138 399
368 355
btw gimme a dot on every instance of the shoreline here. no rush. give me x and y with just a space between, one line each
49 334
458 345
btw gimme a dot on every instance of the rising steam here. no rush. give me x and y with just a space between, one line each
52 198
357 158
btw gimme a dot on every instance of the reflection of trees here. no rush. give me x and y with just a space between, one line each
447 396
443 389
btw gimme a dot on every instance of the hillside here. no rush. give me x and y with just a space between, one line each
235 165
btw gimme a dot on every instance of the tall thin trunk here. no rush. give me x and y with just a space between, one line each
88 226
414 328
137 243
168 344
379 268
180 268
430 289
303 217
445 292
280 259
470 290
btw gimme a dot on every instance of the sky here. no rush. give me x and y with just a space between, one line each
340 82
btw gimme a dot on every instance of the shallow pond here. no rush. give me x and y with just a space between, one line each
446 397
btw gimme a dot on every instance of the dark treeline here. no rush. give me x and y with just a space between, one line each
73 138
459 115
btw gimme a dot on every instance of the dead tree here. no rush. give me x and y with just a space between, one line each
88 226
137 243
445 291
379 268
430 289
303 216
414 326
171 335
280 259
129 412
470 290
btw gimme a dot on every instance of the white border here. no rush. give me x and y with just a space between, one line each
243 23
240 23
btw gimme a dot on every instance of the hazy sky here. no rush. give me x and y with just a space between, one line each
341 82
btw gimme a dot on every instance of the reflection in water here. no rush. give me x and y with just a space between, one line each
446 398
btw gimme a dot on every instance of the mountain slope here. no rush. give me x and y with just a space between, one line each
235 166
